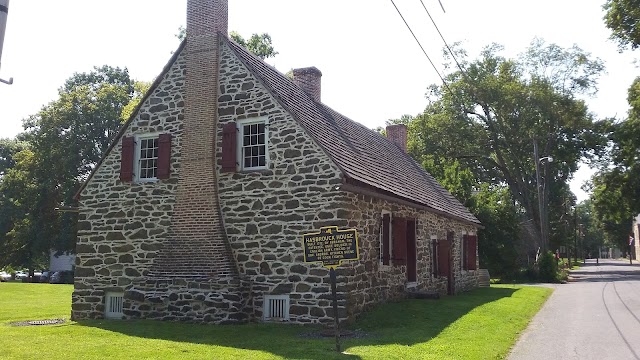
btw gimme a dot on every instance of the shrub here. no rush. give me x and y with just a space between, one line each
548 267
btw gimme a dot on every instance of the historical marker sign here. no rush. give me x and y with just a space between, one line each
331 246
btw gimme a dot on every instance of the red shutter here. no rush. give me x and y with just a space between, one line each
164 156
126 161
411 251
472 251
229 142
434 257
385 239
443 257
399 241
465 252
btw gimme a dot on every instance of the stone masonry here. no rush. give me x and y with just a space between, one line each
122 226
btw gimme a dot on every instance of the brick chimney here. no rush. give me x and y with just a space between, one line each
197 245
309 80
398 135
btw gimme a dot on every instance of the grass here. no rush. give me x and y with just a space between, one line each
481 324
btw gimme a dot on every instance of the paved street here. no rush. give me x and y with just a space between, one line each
594 316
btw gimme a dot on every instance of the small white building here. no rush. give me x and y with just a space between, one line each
63 262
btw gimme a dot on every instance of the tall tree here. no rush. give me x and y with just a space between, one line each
623 19
66 139
492 115
616 186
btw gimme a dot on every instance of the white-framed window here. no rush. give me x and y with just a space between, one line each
146 157
113 303
253 142
276 308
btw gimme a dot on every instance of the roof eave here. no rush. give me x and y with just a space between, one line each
355 186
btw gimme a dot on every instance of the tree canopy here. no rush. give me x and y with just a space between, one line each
59 148
623 19
490 117
616 186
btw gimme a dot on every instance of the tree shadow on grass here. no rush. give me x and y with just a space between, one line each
406 322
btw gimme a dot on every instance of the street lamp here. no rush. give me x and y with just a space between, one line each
540 190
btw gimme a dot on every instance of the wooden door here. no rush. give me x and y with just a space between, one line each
444 262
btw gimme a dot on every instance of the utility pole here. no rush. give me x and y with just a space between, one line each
4 12
536 158
575 235
542 205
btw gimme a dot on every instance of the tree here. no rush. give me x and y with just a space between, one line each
258 44
623 18
490 116
8 149
616 186
66 138
22 231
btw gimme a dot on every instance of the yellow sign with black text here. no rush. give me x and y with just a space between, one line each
331 246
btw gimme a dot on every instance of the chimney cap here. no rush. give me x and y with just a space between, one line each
307 70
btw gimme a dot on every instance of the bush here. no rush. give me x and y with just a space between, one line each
548 267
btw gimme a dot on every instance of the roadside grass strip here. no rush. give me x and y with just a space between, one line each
481 324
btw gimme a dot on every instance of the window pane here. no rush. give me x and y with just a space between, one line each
261 139
262 161
254 161
261 128
261 150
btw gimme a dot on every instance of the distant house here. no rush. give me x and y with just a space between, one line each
61 262
197 210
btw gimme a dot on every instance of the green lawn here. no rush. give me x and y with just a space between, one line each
481 324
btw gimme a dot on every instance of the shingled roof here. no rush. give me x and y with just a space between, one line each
365 157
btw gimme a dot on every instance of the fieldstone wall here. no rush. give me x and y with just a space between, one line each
197 300
371 283
121 225
266 212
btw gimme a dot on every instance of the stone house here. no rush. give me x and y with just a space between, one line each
197 210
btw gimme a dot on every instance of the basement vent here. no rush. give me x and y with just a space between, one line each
276 307
113 305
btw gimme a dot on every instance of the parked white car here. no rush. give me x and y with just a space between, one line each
4 276
21 275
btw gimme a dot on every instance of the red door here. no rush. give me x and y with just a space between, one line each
444 263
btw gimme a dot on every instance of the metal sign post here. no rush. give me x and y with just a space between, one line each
334 295
331 247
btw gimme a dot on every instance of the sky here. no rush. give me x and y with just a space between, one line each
372 68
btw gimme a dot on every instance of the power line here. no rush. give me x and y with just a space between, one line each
443 40
421 47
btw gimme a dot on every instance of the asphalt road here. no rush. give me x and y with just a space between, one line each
596 315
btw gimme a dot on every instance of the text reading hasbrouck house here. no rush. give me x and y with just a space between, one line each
197 210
